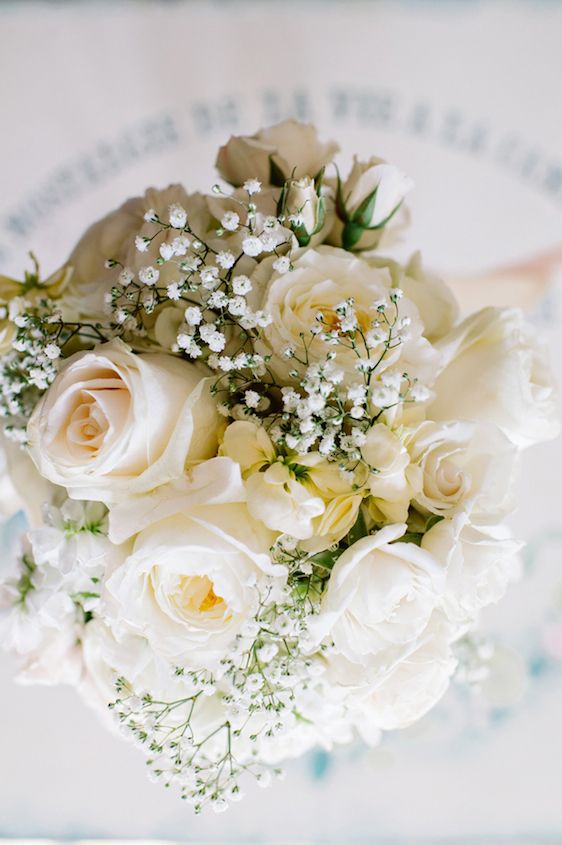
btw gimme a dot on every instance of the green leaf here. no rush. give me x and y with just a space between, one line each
341 210
351 235
276 175
318 180
358 530
364 213
386 220
301 235
410 537
325 560
433 520
321 217
281 200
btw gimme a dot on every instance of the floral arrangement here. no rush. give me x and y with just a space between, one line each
266 469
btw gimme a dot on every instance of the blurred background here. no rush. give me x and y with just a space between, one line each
98 100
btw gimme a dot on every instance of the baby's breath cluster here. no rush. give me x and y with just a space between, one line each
259 684
201 275
330 412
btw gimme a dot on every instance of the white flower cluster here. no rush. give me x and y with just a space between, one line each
277 466
260 682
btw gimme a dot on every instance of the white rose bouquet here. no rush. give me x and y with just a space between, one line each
274 468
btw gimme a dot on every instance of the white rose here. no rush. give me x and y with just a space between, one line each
380 597
413 685
462 466
369 197
479 561
216 481
497 371
434 300
290 148
114 423
190 583
320 281
113 237
106 658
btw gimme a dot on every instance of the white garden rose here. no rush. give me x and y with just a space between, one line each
380 597
412 686
189 584
434 300
321 280
496 370
114 236
479 561
368 199
114 423
290 147
462 466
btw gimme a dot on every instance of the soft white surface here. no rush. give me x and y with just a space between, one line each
97 102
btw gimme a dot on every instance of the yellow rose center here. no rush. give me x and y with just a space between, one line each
196 594
332 320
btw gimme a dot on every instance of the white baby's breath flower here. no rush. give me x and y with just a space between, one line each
149 275
241 285
225 260
230 221
193 315
252 246
177 216
252 186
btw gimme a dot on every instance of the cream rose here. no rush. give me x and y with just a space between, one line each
413 685
480 561
462 466
114 236
190 583
114 423
289 149
497 371
320 281
434 300
380 597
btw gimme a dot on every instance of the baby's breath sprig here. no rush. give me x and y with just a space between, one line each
324 410
259 683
